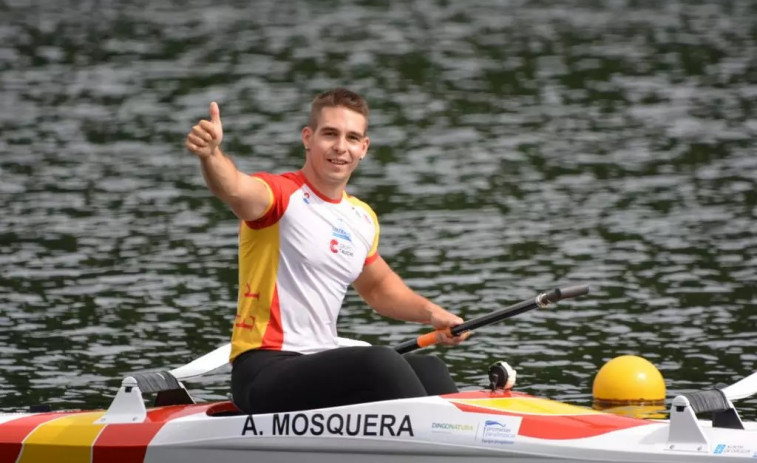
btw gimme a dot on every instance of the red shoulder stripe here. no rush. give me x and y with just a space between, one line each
282 186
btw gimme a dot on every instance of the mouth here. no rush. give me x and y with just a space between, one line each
338 162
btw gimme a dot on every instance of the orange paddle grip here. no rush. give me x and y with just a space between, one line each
429 339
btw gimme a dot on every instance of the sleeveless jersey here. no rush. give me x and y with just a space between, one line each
295 264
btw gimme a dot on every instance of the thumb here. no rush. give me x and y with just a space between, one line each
215 113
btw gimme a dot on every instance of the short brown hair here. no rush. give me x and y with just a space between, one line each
335 98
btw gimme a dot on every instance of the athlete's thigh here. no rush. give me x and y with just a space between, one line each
433 373
339 376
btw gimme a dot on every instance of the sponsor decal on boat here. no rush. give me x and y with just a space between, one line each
501 431
335 424
723 449
452 427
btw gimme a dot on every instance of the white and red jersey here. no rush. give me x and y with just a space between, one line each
295 264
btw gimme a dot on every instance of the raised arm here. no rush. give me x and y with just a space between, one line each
388 295
247 197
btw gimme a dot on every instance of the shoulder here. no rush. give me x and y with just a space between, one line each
280 187
363 209
288 181
362 206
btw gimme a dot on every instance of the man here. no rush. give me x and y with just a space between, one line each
302 242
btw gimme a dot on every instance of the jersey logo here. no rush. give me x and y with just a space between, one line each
246 323
306 197
339 232
341 248
249 293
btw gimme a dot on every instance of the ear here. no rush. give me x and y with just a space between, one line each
366 144
307 136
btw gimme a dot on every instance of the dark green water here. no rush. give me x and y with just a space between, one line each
516 146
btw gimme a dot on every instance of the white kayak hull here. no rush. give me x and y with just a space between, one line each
479 426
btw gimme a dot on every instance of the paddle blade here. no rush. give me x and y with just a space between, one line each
742 389
205 364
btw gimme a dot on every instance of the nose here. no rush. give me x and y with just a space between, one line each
340 145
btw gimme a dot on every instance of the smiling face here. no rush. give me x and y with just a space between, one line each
334 148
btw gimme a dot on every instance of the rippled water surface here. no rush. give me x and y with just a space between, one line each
516 146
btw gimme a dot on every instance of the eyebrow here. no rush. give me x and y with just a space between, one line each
324 128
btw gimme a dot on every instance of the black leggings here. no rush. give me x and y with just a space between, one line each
266 381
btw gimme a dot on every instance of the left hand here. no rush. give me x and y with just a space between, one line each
441 320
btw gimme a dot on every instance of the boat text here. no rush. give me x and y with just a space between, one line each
336 424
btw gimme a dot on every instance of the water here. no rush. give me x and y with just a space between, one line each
516 146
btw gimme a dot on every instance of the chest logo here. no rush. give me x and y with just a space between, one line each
341 248
341 233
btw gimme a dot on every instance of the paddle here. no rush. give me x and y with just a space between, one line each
220 357
741 389
203 365
542 300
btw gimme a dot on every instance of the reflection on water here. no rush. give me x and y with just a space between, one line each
517 146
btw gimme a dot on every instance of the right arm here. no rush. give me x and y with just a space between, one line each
248 198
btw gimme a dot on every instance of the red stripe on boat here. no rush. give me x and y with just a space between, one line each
13 433
562 426
127 443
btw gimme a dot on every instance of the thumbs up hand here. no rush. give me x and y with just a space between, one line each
205 137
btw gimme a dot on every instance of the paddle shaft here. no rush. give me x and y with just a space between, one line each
542 300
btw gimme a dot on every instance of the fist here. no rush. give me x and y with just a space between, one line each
205 137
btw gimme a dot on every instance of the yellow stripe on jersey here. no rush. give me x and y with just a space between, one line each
258 267
367 208
270 195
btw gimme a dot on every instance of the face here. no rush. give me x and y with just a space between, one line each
335 147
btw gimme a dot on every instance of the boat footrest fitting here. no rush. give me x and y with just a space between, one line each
156 381
129 406
714 401
685 432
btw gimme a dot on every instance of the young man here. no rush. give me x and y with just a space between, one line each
302 242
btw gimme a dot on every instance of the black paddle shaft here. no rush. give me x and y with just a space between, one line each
542 300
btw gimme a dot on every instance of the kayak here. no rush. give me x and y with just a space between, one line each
489 425
481 425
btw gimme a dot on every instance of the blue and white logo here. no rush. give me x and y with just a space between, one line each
341 233
719 449
496 432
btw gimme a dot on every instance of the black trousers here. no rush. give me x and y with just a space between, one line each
266 381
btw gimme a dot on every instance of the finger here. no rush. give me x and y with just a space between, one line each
199 135
443 337
462 337
201 127
215 113
209 128
197 141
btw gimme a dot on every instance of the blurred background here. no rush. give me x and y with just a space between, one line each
516 146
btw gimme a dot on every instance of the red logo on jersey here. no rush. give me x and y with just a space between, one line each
334 246
249 293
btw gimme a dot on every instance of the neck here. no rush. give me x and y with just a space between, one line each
332 190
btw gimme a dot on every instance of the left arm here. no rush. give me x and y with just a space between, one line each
385 291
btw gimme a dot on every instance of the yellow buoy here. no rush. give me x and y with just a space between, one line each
628 380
